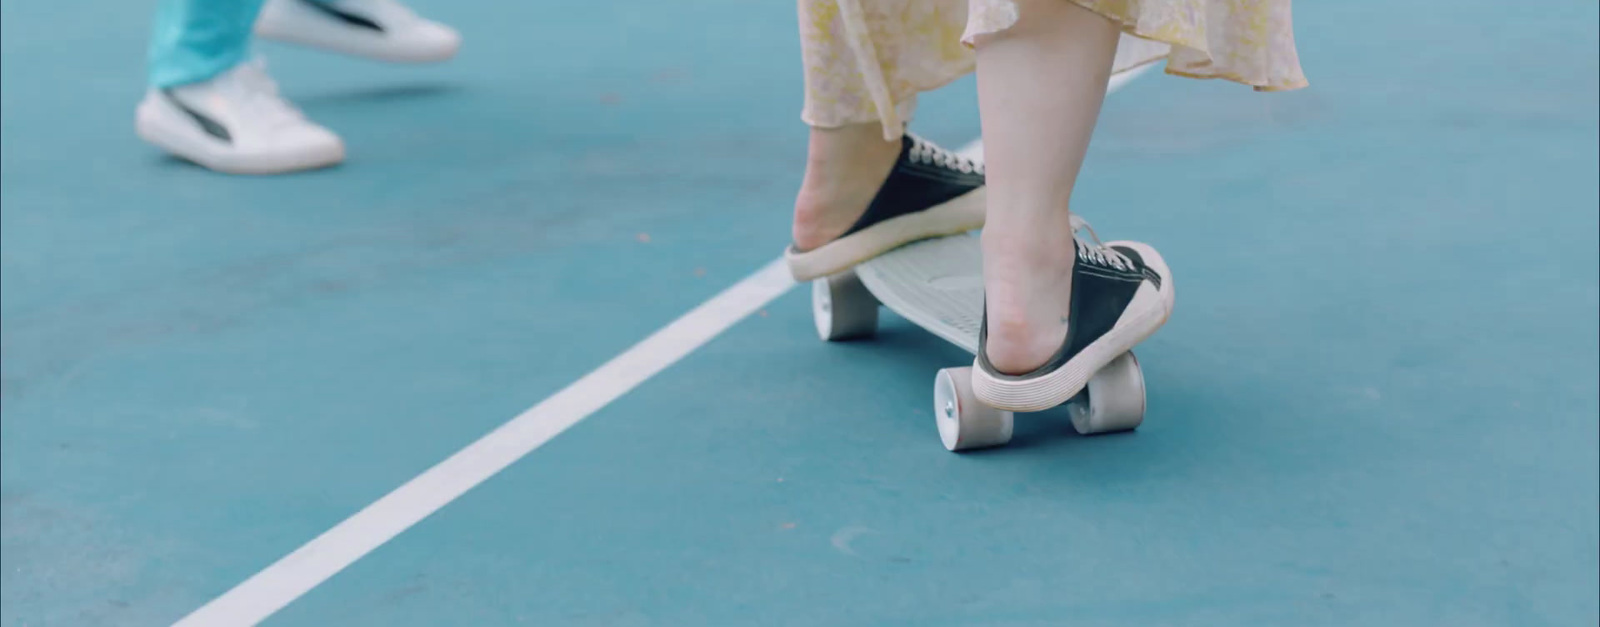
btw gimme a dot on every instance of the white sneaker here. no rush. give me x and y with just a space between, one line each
236 123
378 29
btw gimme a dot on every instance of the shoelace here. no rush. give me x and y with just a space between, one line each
259 93
924 152
1092 250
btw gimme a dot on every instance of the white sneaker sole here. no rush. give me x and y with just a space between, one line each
164 125
958 215
1145 314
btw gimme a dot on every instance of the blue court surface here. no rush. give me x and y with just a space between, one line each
1375 404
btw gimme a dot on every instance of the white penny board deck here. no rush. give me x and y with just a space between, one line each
937 284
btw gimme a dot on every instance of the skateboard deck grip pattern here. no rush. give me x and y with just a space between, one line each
937 284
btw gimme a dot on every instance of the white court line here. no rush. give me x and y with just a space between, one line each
289 578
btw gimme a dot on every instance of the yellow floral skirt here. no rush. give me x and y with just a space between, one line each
866 60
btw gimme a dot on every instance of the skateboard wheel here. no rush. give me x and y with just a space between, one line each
843 308
964 422
1113 401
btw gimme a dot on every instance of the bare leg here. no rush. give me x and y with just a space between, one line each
1040 86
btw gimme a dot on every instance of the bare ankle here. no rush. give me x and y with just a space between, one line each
1017 347
818 218
845 167
1025 318
1028 282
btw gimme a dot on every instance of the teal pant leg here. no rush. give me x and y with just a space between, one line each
195 40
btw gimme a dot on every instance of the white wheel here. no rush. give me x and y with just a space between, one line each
843 308
965 423
1115 399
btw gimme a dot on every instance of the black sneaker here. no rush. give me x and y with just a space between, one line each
931 192
1121 294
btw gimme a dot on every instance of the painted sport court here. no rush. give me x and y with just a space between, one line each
545 266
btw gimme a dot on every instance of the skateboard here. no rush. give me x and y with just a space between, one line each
937 284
